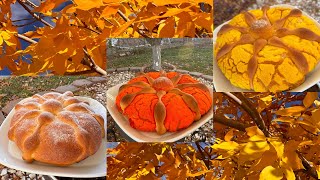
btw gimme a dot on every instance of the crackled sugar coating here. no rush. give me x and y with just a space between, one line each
163 101
56 129
268 49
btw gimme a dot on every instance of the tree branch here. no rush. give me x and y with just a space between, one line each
91 62
26 39
26 24
309 168
29 3
230 123
34 14
124 17
206 161
252 111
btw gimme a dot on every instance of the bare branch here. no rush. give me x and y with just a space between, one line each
124 17
26 24
91 62
252 111
34 14
29 3
26 38
306 164
230 123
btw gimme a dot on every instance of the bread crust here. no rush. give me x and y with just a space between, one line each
56 129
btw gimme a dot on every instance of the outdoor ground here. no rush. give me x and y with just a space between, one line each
194 58
22 87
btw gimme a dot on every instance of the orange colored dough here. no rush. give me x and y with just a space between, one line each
179 115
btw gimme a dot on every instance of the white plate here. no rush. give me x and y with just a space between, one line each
93 166
141 136
222 84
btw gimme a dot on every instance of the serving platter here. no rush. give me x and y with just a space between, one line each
93 166
222 84
141 136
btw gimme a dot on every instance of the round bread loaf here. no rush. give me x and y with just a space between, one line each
163 102
56 129
272 49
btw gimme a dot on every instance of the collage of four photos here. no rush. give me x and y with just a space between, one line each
143 90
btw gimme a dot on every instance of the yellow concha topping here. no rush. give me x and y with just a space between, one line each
268 49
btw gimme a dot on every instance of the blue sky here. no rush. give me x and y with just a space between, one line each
18 12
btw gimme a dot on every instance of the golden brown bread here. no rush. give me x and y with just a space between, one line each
56 129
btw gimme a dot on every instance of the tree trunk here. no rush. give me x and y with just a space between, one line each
156 53
156 57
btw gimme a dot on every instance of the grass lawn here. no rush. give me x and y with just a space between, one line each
188 57
22 87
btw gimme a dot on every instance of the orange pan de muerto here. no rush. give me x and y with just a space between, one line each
161 102
56 128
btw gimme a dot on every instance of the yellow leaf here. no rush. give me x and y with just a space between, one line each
254 130
284 119
291 111
267 159
1 41
271 173
309 98
166 29
5 35
287 170
63 51
197 173
229 135
278 146
316 116
227 146
317 103
252 151
318 170
163 150
290 156
177 161
150 167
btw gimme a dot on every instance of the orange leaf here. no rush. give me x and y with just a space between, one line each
310 98
122 29
229 135
166 29
109 11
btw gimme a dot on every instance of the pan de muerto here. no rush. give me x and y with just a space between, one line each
56 128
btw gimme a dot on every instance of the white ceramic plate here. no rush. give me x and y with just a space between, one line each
222 84
141 136
93 166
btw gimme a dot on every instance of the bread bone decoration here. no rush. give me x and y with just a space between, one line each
272 49
163 101
56 129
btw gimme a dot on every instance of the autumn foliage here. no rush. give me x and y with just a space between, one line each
159 160
73 40
267 136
